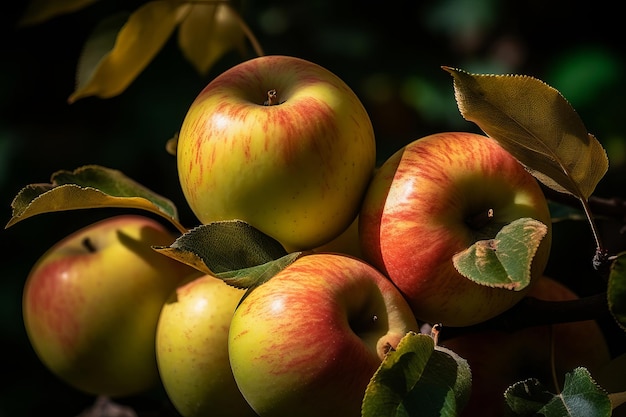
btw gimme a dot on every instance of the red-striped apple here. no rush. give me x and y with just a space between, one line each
434 198
308 341
92 301
192 349
281 143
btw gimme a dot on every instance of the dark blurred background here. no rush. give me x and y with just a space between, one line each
390 53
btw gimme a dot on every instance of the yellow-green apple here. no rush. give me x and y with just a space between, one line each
92 301
308 341
192 349
281 143
347 242
499 359
434 198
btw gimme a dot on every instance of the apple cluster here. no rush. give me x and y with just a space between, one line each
286 146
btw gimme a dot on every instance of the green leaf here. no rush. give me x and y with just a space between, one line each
232 250
107 68
90 186
418 378
504 261
251 278
224 246
207 32
39 11
616 290
256 275
581 397
534 123
527 397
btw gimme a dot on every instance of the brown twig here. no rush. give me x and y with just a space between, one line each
532 312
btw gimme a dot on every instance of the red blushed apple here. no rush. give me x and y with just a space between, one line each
308 341
281 143
434 198
499 359
92 301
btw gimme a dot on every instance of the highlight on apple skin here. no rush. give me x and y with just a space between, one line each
296 168
308 341
192 349
92 301
429 201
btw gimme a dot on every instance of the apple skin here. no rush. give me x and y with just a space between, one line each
346 243
297 170
500 359
308 341
192 349
415 215
91 304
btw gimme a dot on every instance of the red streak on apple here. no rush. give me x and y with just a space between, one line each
322 325
329 322
296 170
51 301
411 230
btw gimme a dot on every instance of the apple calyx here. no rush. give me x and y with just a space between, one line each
384 346
480 219
272 98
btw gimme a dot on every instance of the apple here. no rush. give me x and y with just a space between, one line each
308 341
295 168
92 301
435 197
192 349
347 242
499 359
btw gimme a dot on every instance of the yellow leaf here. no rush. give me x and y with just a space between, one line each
41 10
207 32
136 44
187 257
535 123
90 186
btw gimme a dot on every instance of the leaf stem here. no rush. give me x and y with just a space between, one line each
601 255
610 207
256 45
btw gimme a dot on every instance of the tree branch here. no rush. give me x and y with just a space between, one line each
610 207
532 311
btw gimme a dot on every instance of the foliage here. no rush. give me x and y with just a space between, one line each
121 47
529 118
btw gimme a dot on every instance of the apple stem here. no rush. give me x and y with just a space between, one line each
434 332
480 220
272 98
88 244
